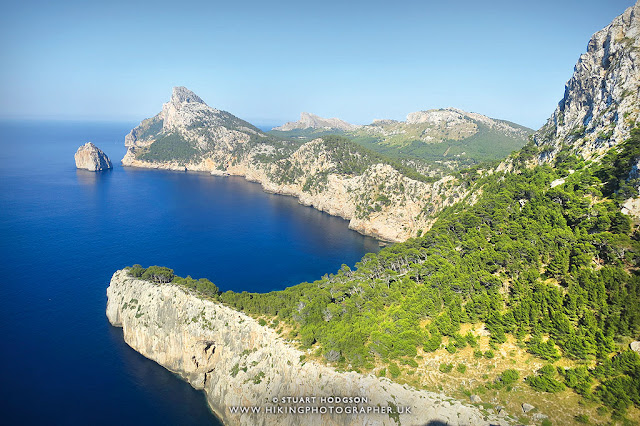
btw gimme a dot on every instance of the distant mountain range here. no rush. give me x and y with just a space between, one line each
312 121
446 138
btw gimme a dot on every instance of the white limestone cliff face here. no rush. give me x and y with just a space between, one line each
395 218
380 201
312 121
601 100
90 157
237 362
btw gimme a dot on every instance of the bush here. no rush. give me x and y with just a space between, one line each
582 418
262 322
158 274
461 368
509 377
446 368
136 271
545 384
394 370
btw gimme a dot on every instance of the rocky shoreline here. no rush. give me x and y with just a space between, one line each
239 363
342 195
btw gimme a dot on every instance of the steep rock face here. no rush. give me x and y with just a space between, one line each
312 121
601 100
90 157
240 363
376 198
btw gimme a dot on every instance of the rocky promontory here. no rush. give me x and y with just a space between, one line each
377 197
90 157
242 365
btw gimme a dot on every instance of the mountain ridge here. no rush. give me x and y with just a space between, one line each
312 121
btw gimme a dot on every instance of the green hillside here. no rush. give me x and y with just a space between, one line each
550 273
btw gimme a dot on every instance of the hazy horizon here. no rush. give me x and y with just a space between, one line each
267 63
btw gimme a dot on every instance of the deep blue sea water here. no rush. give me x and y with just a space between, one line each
63 232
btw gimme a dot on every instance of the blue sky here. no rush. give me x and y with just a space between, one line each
265 62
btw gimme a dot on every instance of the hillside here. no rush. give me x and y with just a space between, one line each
437 141
529 295
379 196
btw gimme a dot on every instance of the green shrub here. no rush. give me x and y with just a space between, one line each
394 370
446 368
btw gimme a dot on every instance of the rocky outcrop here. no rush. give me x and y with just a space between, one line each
377 200
239 363
90 157
437 125
601 100
312 121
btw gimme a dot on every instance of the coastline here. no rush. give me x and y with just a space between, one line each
401 220
239 363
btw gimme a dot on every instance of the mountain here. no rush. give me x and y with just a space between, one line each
601 101
379 196
437 140
312 121
523 292
448 137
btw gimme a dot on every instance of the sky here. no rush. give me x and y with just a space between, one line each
266 61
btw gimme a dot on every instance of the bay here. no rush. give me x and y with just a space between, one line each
63 232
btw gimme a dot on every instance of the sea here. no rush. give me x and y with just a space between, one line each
64 232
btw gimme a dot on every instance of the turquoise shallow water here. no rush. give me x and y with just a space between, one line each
63 232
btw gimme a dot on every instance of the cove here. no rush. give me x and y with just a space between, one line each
65 231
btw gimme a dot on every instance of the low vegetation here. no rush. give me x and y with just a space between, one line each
553 271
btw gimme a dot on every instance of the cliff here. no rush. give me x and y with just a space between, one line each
239 363
90 157
378 197
601 101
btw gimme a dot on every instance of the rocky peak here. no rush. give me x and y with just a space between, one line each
184 108
312 121
183 95
601 100
435 116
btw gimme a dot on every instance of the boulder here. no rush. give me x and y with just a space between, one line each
527 407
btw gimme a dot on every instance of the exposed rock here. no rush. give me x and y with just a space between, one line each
539 416
90 157
227 145
557 182
475 399
635 346
527 407
601 101
437 125
240 363
631 207
312 121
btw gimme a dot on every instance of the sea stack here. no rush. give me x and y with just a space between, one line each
90 157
